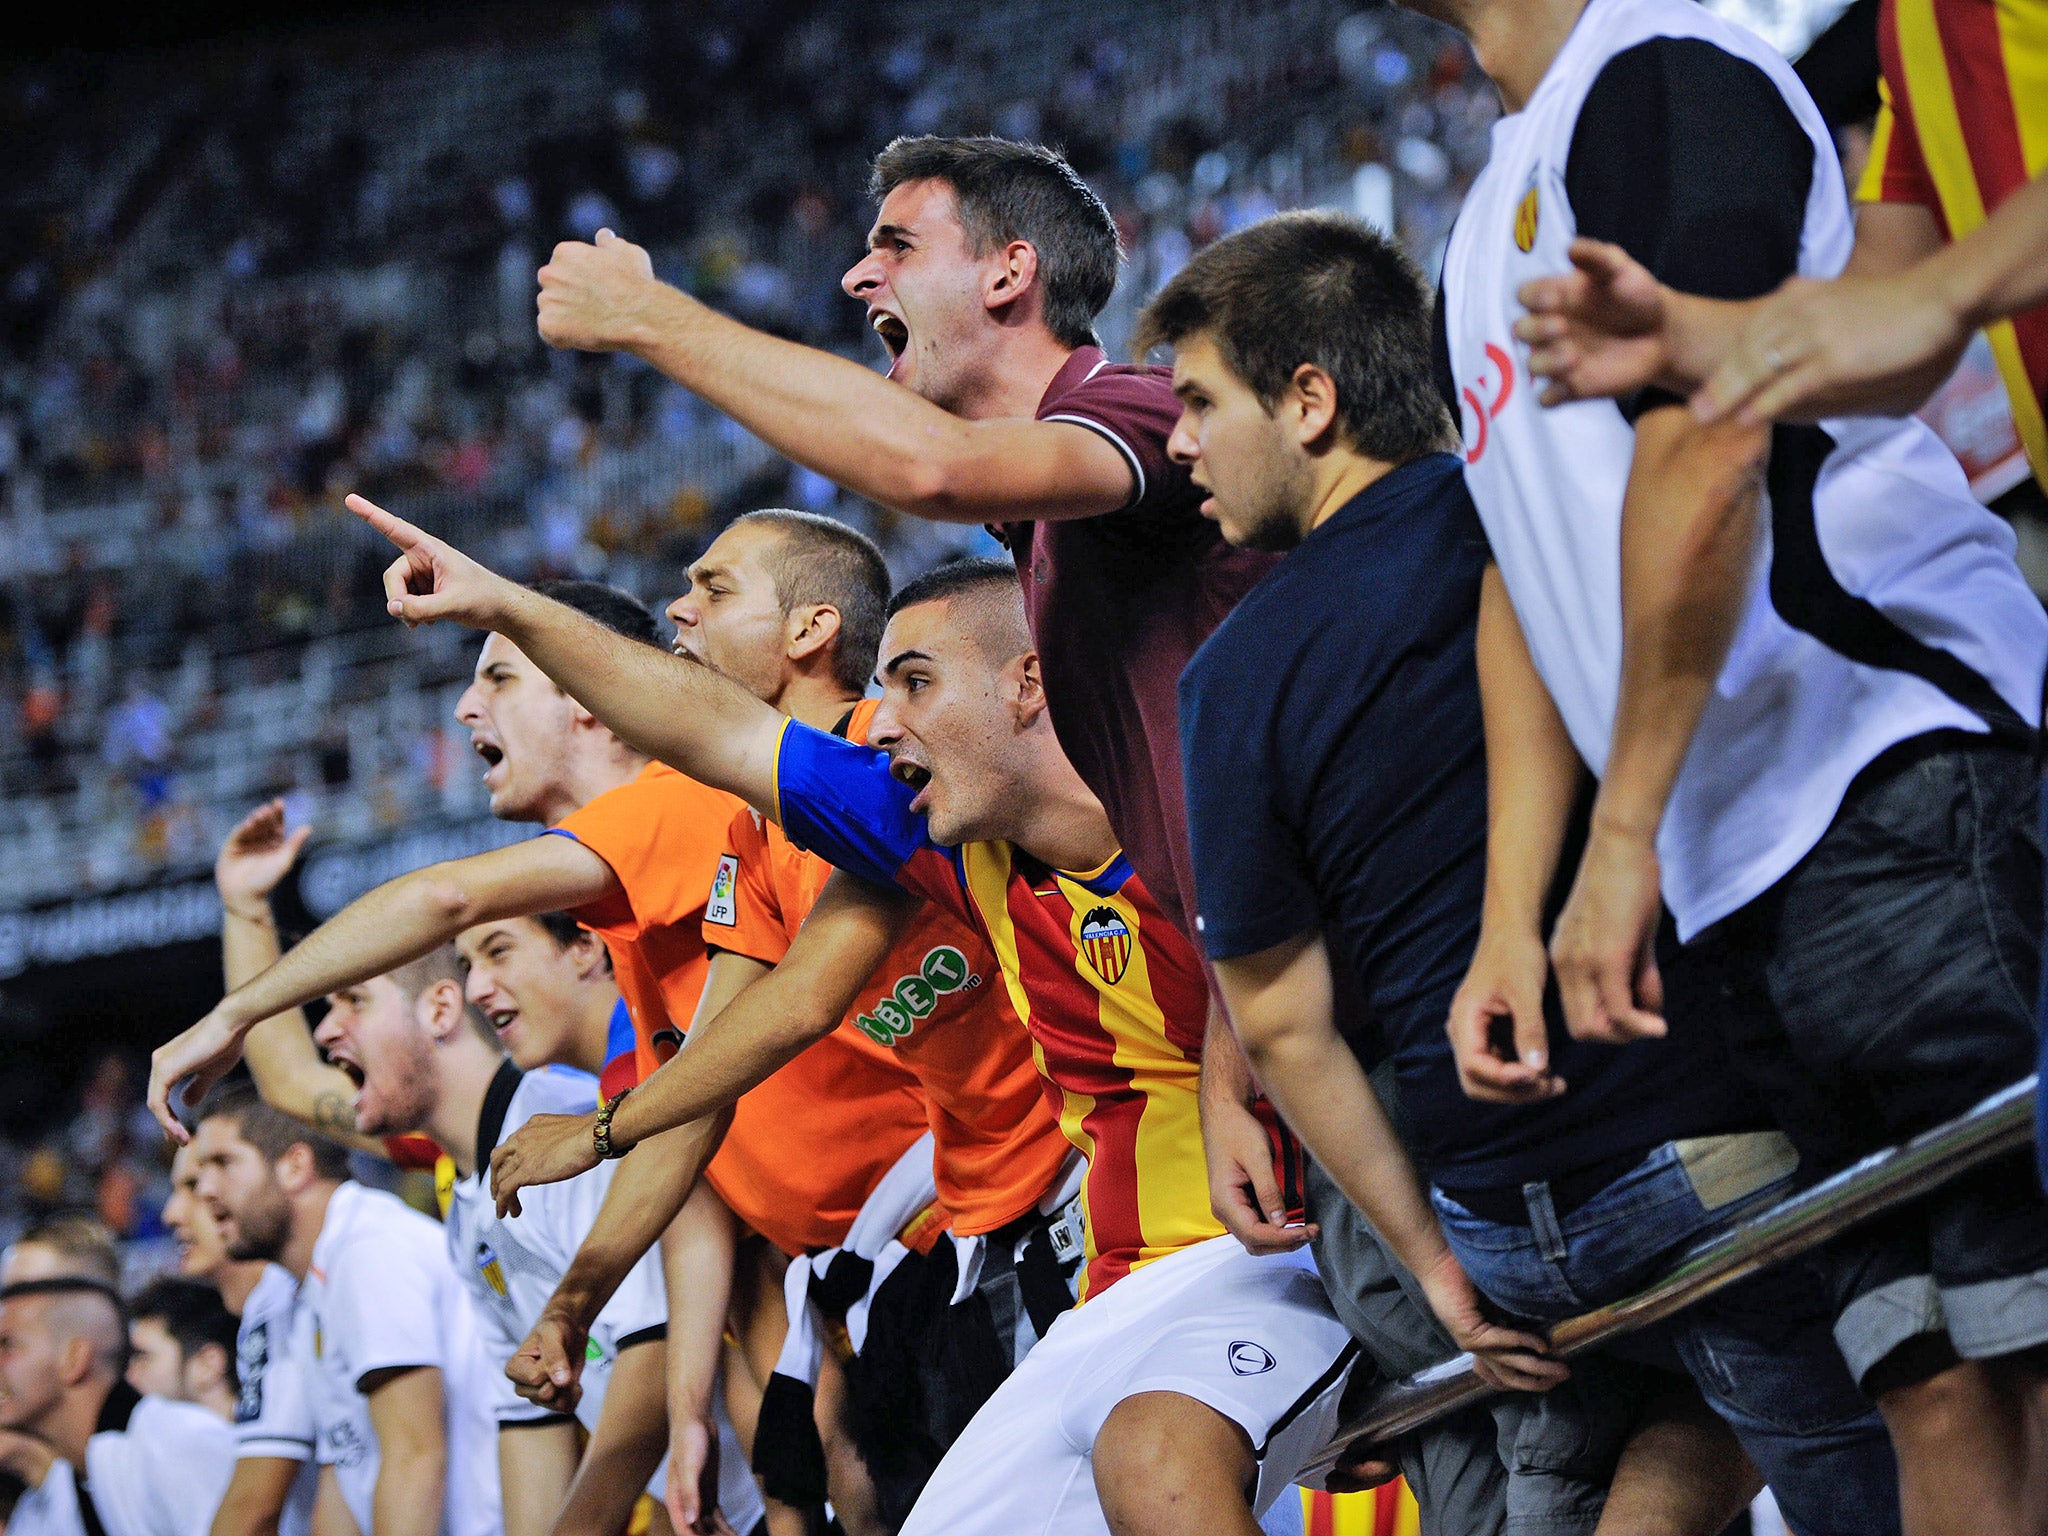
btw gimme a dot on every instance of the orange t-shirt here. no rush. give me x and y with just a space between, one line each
937 1002
808 1145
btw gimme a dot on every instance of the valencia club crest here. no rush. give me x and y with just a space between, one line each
1106 941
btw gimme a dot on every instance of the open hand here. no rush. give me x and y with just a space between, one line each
1835 349
1504 982
199 1058
1604 947
692 1492
433 580
256 856
1501 1357
545 1150
595 297
1596 331
548 1368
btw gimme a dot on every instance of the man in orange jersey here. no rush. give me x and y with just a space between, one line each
1001 1166
1198 1379
801 1154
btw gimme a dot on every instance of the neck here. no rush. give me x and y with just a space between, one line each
593 1031
466 1068
1515 41
218 1400
1059 820
1344 476
70 1424
1021 366
819 702
309 1215
602 769
235 1279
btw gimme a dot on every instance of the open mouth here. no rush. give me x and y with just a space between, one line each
491 755
502 1019
350 1070
916 775
894 333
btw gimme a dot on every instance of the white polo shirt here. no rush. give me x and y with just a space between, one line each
379 1296
153 1468
273 1412
512 1266
1885 603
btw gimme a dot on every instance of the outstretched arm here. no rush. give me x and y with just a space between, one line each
397 922
1282 1001
763 1019
670 707
857 429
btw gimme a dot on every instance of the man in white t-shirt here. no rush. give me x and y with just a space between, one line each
124 1464
1805 670
395 1375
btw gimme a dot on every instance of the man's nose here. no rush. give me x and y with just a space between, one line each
469 707
862 278
1181 445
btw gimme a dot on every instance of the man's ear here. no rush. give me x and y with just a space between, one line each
75 1360
1310 406
589 955
207 1367
1026 688
812 628
1012 273
294 1170
439 1009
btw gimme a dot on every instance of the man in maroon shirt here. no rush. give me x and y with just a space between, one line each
985 269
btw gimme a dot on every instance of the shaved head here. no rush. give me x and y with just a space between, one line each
58 1338
983 601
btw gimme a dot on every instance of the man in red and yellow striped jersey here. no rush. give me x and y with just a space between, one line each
1192 1365
1963 127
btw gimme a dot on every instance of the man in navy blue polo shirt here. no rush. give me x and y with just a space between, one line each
1338 799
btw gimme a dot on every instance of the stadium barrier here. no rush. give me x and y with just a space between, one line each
2002 1123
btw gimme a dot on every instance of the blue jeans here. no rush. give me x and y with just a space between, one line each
1761 1352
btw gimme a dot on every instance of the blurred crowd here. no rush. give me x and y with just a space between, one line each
249 279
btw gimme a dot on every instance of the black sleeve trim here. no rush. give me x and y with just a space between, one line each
542 1422
1692 161
652 1335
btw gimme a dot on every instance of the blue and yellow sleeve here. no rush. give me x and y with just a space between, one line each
838 801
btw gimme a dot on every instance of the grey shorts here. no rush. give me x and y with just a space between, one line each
1523 1465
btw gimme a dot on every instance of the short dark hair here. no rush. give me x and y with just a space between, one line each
617 610
191 1313
822 560
993 602
271 1131
1318 288
560 926
1010 191
442 963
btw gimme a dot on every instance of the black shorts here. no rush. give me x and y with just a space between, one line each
1886 985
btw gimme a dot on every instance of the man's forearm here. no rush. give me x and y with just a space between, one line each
396 923
650 1187
1688 547
1532 768
1226 1071
412 1485
1998 269
669 707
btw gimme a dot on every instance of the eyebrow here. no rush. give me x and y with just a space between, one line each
902 659
883 232
701 573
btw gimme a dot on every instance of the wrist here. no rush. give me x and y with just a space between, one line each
1948 283
246 909
651 321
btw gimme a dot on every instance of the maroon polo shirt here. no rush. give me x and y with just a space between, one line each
1118 604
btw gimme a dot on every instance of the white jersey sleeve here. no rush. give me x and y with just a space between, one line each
50 1508
162 1475
273 1411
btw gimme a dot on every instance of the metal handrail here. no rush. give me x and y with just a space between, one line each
2001 1123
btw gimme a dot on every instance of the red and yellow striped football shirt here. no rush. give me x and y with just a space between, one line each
1964 125
1112 993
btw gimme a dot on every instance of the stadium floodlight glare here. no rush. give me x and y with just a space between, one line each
2002 1123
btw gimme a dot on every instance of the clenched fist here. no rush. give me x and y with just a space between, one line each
598 297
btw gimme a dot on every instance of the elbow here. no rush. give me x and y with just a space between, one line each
1260 1035
930 489
446 903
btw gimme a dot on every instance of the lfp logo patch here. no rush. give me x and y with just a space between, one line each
723 907
1106 941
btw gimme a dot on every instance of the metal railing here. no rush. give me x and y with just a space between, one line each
2002 1123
